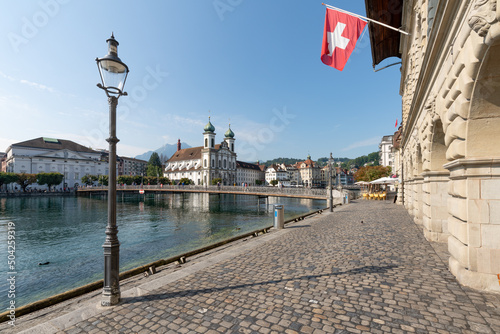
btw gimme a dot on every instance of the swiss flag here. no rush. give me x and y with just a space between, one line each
339 37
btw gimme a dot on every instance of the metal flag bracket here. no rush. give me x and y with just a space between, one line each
366 18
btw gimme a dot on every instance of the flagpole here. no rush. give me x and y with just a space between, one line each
365 18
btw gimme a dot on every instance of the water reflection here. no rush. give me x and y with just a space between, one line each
68 232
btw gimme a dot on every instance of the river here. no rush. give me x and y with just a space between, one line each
68 232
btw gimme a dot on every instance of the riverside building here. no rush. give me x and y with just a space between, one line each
310 173
50 155
447 146
248 173
205 163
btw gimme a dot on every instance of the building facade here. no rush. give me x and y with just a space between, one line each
385 152
131 166
275 172
3 162
310 174
247 173
293 173
205 163
449 152
49 155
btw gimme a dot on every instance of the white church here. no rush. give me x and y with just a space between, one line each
204 163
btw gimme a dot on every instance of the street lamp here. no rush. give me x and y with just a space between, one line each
113 74
330 195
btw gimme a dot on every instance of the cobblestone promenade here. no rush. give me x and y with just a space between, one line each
366 268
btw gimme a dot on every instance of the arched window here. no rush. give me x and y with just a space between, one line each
206 142
224 163
213 163
213 143
232 147
205 163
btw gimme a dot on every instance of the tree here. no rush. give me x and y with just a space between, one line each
258 182
138 179
50 179
7 178
370 159
151 180
25 180
89 179
274 182
163 158
370 173
186 181
215 181
128 180
165 180
154 165
103 179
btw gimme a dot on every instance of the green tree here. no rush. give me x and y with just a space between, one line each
186 181
370 173
138 179
215 181
165 180
103 179
89 179
370 159
274 182
25 180
151 180
125 179
7 178
49 179
258 182
154 165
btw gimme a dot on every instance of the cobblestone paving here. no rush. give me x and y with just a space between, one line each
363 269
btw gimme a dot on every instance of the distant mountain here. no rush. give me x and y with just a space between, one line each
166 150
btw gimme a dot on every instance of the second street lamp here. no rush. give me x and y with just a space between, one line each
330 195
113 74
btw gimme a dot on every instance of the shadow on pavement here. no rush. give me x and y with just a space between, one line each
193 292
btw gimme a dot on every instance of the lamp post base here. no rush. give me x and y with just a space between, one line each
110 299
111 286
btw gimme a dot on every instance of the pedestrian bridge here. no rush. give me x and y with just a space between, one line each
239 190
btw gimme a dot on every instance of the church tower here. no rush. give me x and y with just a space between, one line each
229 138
209 135
208 153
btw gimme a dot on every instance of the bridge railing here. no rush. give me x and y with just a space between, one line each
242 189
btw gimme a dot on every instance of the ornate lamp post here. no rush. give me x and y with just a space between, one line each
113 74
330 195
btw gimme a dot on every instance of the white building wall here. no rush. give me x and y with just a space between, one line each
73 165
385 146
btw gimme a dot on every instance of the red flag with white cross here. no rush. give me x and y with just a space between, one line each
339 37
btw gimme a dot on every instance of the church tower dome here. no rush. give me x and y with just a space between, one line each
229 133
209 127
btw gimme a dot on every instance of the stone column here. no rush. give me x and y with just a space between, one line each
435 206
474 222
409 196
418 200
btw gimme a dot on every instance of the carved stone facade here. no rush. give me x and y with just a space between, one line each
450 144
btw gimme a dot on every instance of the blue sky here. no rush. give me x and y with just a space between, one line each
255 64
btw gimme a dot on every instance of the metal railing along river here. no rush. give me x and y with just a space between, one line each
270 191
